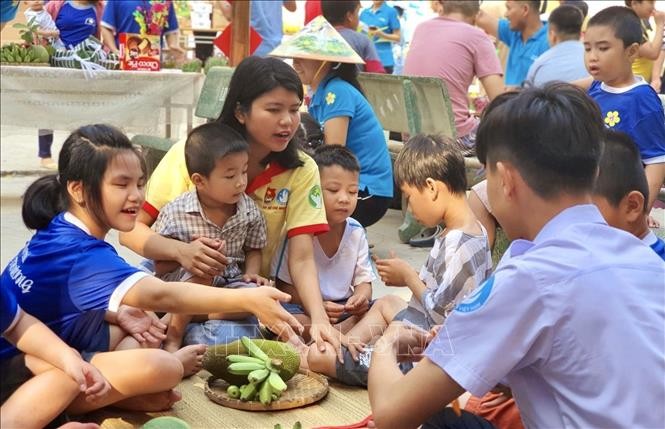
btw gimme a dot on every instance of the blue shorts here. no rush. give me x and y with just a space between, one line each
298 309
88 334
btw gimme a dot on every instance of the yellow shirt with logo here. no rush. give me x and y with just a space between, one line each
290 199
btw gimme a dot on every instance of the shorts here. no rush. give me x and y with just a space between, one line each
182 275
298 309
89 333
480 189
13 373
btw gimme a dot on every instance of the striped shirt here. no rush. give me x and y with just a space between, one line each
457 264
183 218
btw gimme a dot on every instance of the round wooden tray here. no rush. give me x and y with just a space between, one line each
304 388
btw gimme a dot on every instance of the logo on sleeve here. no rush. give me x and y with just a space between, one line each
314 197
330 98
477 298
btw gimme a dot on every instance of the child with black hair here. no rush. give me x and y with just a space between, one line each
621 191
341 254
430 172
649 49
68 277
216 159
536 323
344 16
627 102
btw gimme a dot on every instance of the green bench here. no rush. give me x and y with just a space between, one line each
208 107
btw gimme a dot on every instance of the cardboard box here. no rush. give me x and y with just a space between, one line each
139 53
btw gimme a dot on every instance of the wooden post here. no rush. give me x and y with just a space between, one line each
240 32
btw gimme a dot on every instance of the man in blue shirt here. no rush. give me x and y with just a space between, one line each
119 17
564 61
384 28
523 32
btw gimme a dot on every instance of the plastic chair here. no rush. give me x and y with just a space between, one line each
209 107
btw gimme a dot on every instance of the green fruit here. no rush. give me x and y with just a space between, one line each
214 361
166 422
39 52
265 393
233 391
248 392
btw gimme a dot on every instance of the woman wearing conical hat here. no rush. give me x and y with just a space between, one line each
326 62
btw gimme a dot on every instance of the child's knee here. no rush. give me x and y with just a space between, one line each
322 362
163 368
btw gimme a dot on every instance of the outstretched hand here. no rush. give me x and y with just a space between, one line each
144 328
267 308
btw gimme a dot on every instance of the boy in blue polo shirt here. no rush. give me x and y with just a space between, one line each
627 103
384 29
621 190
523 32
536 324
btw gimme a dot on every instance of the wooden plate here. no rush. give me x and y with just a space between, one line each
303 389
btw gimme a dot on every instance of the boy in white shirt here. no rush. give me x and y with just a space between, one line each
36 11
341 254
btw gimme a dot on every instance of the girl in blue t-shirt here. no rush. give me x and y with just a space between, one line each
67 271
339 105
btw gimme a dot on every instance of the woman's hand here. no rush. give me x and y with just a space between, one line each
265 305
143 327
321 333
203 257
393 270
333 310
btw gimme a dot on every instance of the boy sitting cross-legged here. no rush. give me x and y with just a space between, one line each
430 172
216 158
621 190
341 254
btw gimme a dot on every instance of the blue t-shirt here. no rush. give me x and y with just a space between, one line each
9 310
63 272
266 19
564 62
76 23
336 97
637 111
119 17
385 19
8 10
521 55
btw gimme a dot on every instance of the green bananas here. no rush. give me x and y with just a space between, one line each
264 382
15 53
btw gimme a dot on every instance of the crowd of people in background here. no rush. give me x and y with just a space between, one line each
257 222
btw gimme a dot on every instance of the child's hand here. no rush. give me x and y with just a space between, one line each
203 257
659 17
355 347
502 394
357 304
92 383
406 341
255 278
393 270
333 310
145 329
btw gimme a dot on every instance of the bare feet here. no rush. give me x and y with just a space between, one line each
150 402
191 358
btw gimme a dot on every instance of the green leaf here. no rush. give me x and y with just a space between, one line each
19 25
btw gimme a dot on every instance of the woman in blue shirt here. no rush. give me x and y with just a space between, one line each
339 105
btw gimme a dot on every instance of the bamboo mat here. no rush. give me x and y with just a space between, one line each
342 406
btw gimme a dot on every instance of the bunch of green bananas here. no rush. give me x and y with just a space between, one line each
15 53
262 374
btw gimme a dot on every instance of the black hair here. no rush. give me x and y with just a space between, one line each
535 5
310 133
335 10
580 4
567 21
399 10
252 78
468 8
551 135
623 20
430 156
208 143
620 171
329 155
85 156
349 73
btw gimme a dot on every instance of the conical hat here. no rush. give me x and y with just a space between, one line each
318 40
